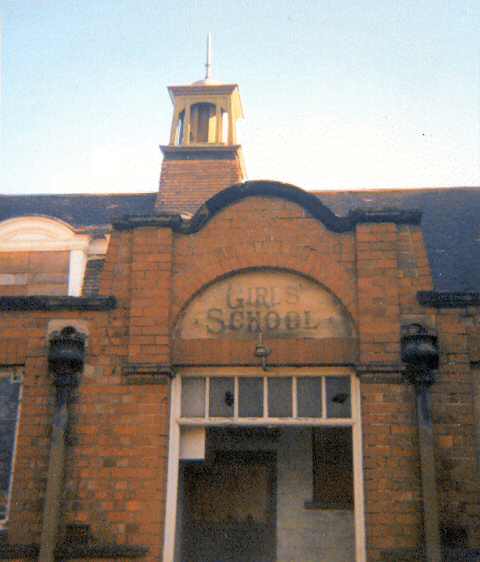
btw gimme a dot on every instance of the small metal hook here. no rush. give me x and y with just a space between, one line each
262 351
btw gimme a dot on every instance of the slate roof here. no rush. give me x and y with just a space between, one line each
450 220
450 224
78 210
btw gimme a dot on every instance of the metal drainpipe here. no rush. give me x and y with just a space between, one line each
431 519
65 362
476 412
420 353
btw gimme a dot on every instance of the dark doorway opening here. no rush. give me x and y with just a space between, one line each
229 508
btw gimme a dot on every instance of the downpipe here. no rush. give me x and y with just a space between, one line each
66 361
420 354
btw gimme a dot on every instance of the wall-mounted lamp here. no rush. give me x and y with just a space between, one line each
66 356
420 354
262 351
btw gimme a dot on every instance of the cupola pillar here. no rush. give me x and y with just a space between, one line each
202 157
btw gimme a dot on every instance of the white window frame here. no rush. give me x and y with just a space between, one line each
177 422
16 374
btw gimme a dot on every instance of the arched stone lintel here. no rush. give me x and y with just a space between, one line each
333 276
266 299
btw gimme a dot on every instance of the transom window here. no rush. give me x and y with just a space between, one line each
282 398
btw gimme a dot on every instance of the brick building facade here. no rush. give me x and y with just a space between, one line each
245 388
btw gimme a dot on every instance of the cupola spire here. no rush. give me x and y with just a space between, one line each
209 63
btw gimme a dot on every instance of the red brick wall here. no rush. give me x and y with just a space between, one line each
34 273
116 468
116 464
453 416
187 184
391 468
388 259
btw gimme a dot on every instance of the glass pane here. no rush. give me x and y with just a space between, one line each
221 397
338 397
193 397
309 397
251 397
280 397
9 400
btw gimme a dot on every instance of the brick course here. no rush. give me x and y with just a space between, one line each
185 183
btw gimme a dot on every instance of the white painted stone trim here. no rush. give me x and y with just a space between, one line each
172 475
39 234
76 272
358 480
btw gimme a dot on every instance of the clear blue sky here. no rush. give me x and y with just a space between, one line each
337 94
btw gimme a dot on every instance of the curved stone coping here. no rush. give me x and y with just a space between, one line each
235 193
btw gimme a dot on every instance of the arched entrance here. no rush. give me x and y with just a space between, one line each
265 462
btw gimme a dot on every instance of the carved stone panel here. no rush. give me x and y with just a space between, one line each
281 305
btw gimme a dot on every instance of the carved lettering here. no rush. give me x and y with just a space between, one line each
293 294
238 303
292 320
236 320
261 297
215 323
307 321
272 320
275 296
280 304
253 321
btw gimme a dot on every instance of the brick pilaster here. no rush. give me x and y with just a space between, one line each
151 279
378 293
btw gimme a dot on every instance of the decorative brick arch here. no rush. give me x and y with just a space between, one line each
338 347
334 279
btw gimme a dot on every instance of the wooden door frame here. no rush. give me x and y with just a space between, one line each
174 449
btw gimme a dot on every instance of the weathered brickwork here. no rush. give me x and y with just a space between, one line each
187 183
378 293
34 273
149 340
261 232
93 272
116 470
118 447
454 419
391 468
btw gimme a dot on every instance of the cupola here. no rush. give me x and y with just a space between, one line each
202 156
206 112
